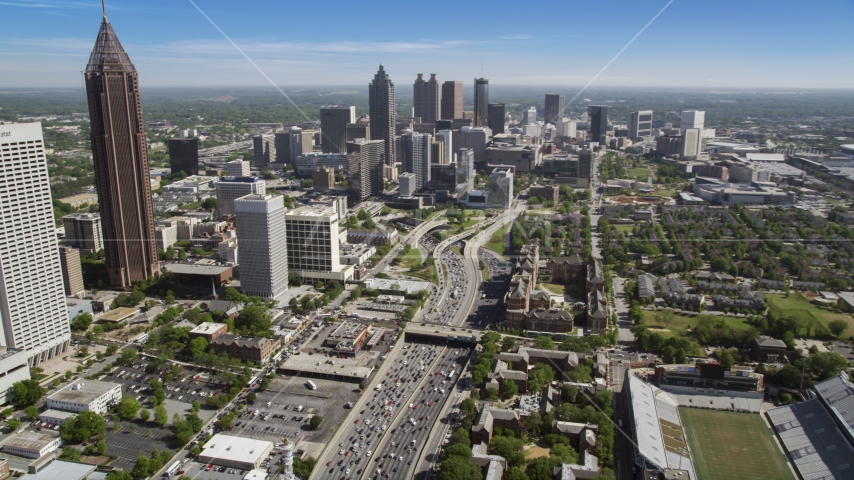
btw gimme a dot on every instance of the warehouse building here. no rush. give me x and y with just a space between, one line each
32 444
235 452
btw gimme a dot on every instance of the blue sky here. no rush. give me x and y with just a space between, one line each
694 43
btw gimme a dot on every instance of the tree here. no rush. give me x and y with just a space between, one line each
544 343
82 427
837 327
209 203
491 394
490 337
460 468
127 408
514 473
144 414
568 393
461 436
101 446
128 356
541 468
196 406
70 453
824 365
112 349
32 412
315 421
468 408
13 423
142 468
726 358
507 344
161 416
532 423
81 322
197 347
195 422
509 388
119 475
251 397
26 393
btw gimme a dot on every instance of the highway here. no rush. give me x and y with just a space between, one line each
396 455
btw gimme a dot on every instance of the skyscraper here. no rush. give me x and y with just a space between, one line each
83 230
692 143
32 297
640 124
496 117
446 137
264 150
229 189
407 184
554 108
382 112
692 119
72 273
365 170
120 154
293 143
417 148
237 168
481 102
597 121
333 124
425 98
263 245
313 248
500 187
529 116
184 155
452 100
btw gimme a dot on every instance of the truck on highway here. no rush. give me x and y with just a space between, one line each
379 387
450 374
311 385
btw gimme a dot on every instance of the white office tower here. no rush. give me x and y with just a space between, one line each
263 245
640 124
529 116
313 246
417 148
237 168
447 137
692 142
500 187
287 460
407 184
566 128
692 119
229 189
32 295
465 169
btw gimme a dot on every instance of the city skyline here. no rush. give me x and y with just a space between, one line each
176 46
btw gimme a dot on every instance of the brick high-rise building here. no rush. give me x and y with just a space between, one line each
72 272
452 100
323 179
120 154
381 108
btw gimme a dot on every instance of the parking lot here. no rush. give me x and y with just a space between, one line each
132 441
189 385
285 409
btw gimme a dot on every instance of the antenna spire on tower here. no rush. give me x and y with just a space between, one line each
104 9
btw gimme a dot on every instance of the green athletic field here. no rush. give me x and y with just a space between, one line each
727 445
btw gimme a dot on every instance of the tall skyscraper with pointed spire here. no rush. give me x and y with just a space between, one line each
381 108
120 153
481 102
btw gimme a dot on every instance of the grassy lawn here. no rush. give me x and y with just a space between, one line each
457 251
641 172
496 243
484 270
429 274
810 315
410 259
681 323
727 445
623 228
665 192
555 288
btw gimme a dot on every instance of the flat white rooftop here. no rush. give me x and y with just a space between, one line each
235 449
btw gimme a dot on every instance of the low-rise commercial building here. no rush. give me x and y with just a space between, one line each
32 444
710 375
255 349
13 368
83 395
209 331
235 452
55 417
